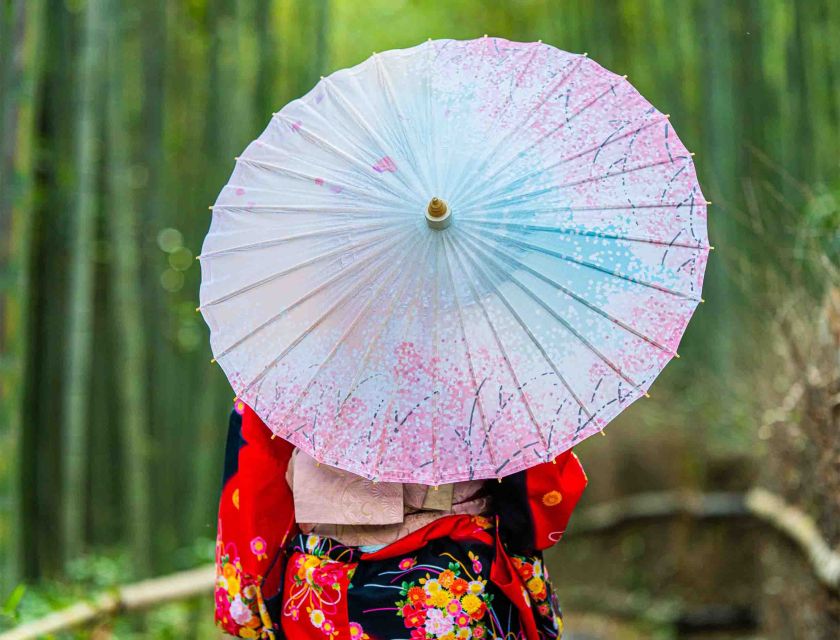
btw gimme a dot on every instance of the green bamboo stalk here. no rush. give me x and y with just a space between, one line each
22 34
321 18
267 61
126 298
80 334
154 205
721 166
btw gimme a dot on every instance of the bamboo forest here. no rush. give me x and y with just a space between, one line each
713 507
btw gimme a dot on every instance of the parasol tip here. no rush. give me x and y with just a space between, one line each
437 208
438 215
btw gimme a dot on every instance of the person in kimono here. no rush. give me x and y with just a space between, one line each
310 552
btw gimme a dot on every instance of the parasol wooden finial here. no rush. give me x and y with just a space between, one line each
438 215
437 208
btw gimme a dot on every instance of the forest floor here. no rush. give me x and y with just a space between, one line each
585 626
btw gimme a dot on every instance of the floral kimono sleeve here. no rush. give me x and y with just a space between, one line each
535 505
256 515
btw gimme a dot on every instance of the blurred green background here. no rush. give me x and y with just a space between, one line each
120 122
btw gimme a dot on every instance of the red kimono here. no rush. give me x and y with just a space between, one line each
458 577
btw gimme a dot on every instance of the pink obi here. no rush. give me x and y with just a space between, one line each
356 511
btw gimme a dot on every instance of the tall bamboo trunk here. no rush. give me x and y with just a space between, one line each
126 296
155 208
79 333
21 56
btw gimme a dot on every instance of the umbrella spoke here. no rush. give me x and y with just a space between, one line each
549 134
283 272
431 148
516 226
356 266
562 321
380 446
605 207
517 384
351 291
462 178
525 197
263 244
435 283
591 265
349 109
612 139
480 269
311 178
310 211
385 82
391 271
568 292
471 365
365 167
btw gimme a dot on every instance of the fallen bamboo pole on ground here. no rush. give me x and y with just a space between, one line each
760 504
757 503
130 598
801 528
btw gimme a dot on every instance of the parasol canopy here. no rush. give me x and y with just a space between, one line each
454 261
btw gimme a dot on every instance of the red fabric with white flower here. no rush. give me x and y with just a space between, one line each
256 514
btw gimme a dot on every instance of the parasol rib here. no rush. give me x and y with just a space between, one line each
566 324
536 172
307 177
283 272
392 270
435 361
263 244
340 275
431 148
573 295
324 315
579 232
317 140
385 82
306 209
505 357
524 197
384 431
464 175
478 268
605 207
591 265
476 386
348 108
